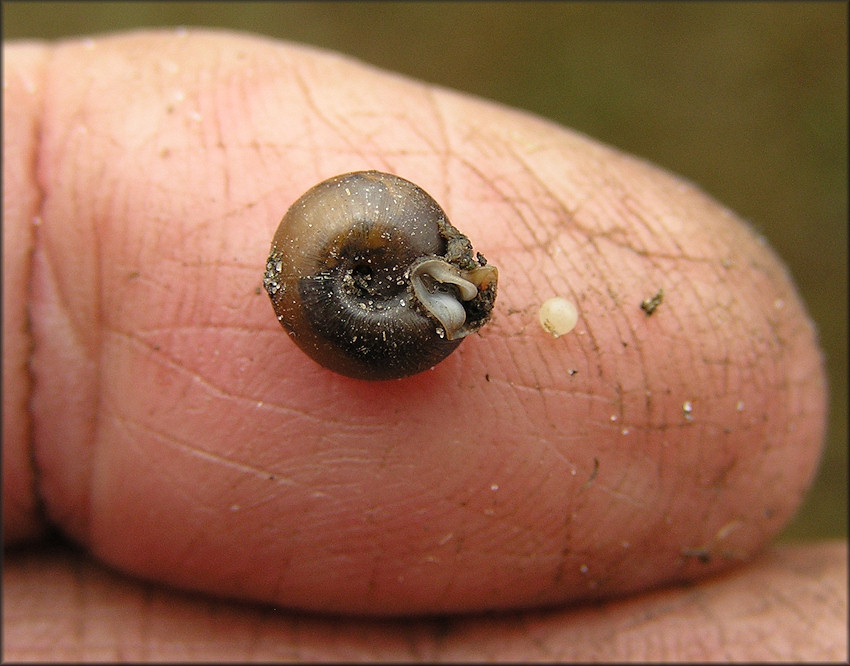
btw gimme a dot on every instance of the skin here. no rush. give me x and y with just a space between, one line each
156 414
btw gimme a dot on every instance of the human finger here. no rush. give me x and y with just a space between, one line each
180 435
790 605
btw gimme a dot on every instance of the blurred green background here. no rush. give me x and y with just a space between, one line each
749 100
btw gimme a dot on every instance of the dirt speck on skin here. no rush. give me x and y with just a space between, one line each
593 474
650 305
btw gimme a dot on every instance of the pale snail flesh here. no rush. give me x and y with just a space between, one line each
371 280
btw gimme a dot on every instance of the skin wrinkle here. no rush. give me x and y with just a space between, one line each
350 126
78 343
171 477
526 230
442 146
198 379
197 451
318 113
222 104
33 503
308 118
378 142
563 213
25 508
35 244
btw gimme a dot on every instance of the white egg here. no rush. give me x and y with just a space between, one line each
558 316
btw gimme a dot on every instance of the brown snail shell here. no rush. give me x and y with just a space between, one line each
371 279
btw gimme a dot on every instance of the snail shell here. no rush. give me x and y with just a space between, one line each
371 280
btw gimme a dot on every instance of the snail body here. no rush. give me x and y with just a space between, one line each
372 281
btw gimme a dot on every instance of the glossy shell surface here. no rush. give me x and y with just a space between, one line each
372 281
